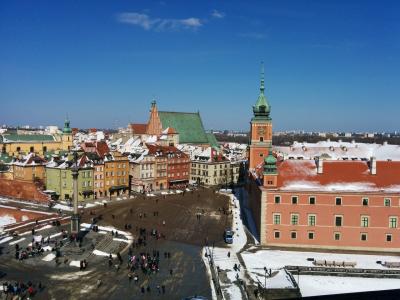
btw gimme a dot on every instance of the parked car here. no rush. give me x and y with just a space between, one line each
228 236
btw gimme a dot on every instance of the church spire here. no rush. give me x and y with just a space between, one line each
262 107
262 88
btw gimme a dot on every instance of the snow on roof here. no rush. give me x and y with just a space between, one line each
339 176
341 150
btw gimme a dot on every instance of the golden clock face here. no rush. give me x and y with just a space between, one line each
261 130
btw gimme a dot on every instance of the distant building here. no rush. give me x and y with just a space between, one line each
188 126
14 144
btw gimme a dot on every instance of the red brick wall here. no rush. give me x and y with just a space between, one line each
325 210
23 215
22 190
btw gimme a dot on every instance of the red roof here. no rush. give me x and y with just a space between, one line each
102 148
339 175
154 149
138 128
169 130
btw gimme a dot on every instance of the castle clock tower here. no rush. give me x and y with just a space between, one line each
260 128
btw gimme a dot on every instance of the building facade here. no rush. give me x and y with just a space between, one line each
143 173
116 174
59 178
210 168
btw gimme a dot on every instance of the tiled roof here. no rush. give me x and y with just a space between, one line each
339 176
188 125
212 140
102 148
27 137
138 128
154 149
169 130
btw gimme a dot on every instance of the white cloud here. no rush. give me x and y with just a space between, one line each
141 20
217 14
158 24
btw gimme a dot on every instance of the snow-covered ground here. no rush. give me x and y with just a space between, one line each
276 259
325 285
6 220
311 285
226 263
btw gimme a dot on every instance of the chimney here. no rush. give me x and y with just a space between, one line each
320 166
372 165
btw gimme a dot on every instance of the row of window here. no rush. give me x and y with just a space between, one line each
205 166
119 166
337 236
338 220
338 200
118 181
178 174
118 173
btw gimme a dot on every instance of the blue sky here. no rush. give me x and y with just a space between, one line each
330 65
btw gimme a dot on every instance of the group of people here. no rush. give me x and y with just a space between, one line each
21 289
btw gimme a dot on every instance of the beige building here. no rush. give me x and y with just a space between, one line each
211 168
143 173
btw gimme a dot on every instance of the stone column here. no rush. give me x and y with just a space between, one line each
75 219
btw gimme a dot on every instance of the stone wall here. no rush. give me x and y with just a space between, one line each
22 190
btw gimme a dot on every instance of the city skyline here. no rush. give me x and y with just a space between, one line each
327 65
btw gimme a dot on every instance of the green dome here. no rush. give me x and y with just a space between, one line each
270 159
67 129
270 164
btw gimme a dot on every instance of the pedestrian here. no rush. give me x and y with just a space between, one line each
142 289
163 222
229 254
159 289
163 289
170 272
98 282
148 289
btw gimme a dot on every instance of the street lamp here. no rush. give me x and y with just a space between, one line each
265 277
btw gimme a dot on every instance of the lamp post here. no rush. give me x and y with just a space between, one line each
75 219
265 277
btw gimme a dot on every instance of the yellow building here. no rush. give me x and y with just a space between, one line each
14 144
116 174
30 168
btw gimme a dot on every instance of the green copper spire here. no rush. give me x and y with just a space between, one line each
270 164
67 128
262 108
262 88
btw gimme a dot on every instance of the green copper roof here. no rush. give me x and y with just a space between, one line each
262 107
212 140
188 125
270 164
270 159
28 137
67 129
